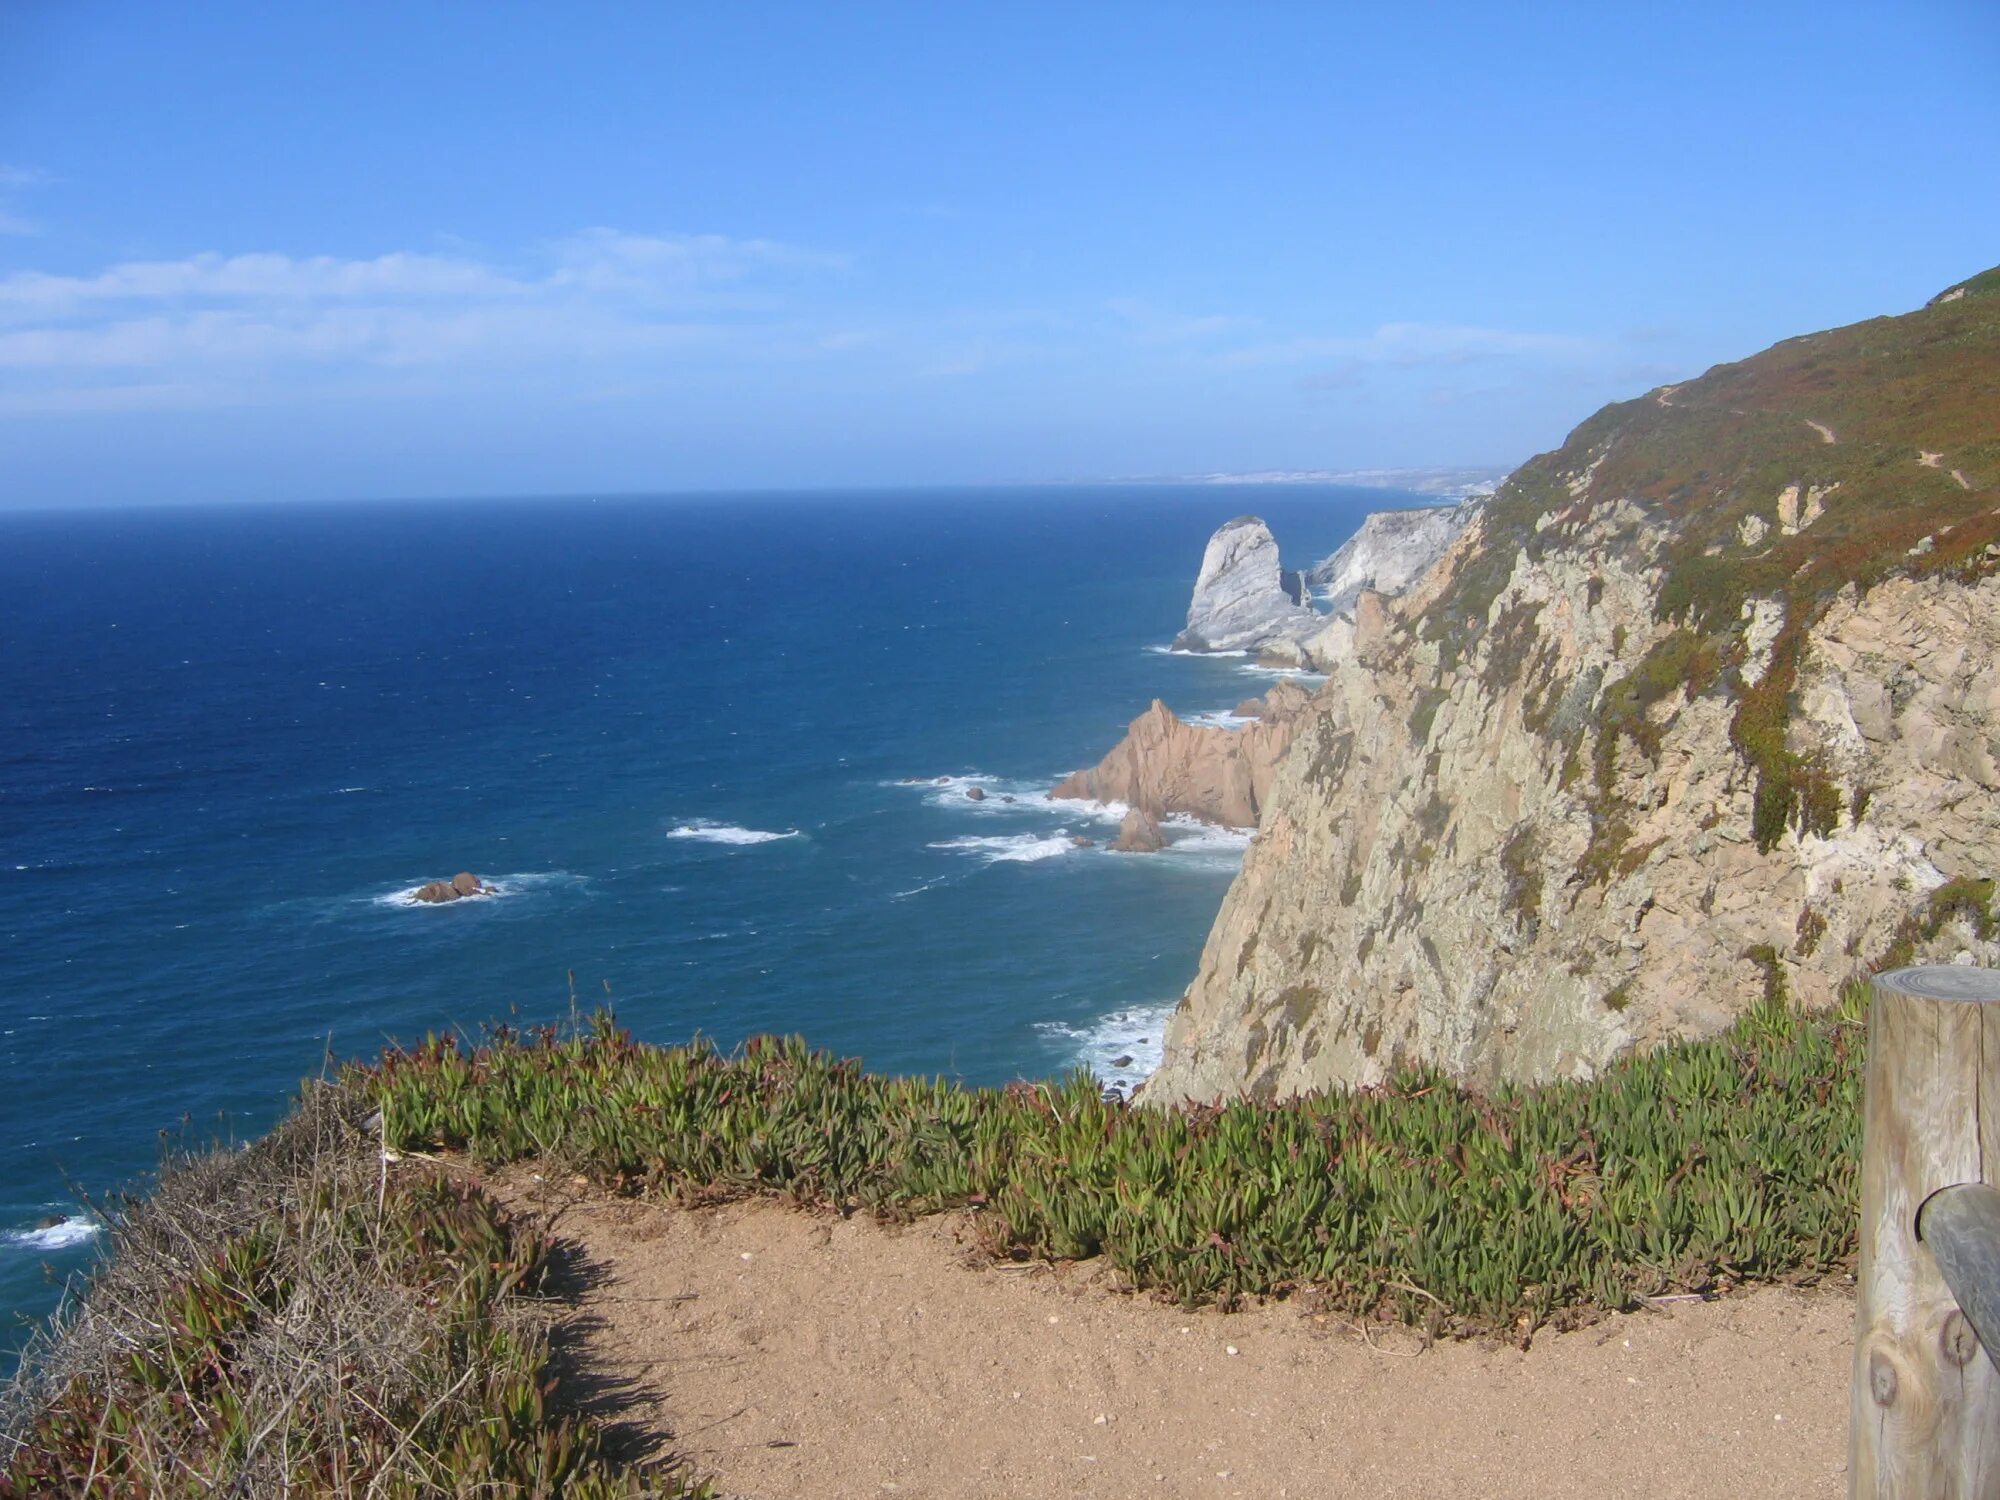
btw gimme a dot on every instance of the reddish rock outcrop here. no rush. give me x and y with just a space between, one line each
1164 765
1139 834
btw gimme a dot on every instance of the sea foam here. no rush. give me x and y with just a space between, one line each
1015 848
707 831
77 1229
1220 718
1137 1034
1004 796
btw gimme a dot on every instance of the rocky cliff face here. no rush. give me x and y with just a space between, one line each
1701 707
1165 765
1244 598
1391 551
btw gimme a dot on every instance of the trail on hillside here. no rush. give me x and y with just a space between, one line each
789 1354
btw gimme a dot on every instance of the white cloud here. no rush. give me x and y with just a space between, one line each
253 278
594 294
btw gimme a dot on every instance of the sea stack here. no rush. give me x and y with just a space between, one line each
1243 597
1167 765
1139 834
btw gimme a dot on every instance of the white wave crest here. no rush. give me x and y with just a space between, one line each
1004 796
77 1229
1016 848
1220 718
708 831
1121 1048
1192 836
1183 651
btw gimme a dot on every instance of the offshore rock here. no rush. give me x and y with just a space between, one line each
461 885
1139 834
1165 765
1243 597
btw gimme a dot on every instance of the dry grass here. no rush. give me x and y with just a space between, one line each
304 1317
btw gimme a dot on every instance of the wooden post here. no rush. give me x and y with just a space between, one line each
1925 1413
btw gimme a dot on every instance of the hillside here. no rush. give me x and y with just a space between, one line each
1701 708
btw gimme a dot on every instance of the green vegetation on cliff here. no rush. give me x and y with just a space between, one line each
1695 1166
1839 458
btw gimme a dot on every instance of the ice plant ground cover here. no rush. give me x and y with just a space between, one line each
1692 1168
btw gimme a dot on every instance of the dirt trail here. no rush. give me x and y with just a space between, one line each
792 1355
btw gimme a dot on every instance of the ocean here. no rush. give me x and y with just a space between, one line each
712 751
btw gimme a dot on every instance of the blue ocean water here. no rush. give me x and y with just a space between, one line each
677 732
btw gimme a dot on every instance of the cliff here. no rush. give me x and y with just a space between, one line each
1702 706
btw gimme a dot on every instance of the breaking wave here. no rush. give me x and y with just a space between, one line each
77 1229
1014 848
707 831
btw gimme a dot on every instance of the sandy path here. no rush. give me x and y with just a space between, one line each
790 1355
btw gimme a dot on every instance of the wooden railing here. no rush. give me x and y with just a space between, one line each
1925 1406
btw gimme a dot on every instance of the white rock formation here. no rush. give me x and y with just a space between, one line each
1244 600
1243 597
1389 552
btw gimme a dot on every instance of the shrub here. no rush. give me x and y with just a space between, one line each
296 1319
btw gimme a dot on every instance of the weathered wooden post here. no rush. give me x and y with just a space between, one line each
1925 1417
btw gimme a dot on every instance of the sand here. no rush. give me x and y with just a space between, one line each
794 1355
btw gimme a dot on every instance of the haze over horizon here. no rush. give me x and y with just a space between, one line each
265 253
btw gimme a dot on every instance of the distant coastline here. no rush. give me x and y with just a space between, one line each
1444 483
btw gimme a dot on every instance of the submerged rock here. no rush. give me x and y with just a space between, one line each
975 794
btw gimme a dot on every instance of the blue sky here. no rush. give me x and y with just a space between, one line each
286 251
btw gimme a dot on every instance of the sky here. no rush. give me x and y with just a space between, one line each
301 251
